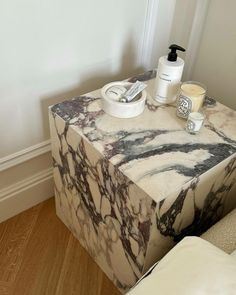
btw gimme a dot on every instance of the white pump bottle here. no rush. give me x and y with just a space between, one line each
169 74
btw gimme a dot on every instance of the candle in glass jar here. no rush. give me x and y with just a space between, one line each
190 98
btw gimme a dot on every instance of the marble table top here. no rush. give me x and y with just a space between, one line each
153 150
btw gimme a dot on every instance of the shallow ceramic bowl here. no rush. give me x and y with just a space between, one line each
122 109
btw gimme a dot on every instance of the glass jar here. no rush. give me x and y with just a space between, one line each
190 98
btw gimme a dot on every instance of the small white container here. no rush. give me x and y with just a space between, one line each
195 122
112 92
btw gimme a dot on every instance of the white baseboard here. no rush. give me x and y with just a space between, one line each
25 155
25 194
20 193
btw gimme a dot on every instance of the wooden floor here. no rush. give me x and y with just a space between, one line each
39 256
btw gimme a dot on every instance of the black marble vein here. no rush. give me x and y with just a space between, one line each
77 108
217 153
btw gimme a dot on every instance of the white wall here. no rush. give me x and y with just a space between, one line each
54 50
50 51
160 19
215 63
49 48
207 29
182 22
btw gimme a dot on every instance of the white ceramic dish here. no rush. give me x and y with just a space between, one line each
112 106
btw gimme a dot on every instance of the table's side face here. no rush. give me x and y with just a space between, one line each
193 209
154 148
110 215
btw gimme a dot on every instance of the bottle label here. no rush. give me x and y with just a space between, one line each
184 106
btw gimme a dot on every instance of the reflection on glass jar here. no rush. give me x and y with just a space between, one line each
190 98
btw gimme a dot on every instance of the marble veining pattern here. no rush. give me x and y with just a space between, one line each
119 215
130 188
203 218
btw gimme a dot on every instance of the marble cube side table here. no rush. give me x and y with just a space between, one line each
129 189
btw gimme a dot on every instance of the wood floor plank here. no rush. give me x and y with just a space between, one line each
5 288
107 288
44 255
14 235
39 256
80 275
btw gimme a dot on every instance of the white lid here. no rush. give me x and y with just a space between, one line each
196 116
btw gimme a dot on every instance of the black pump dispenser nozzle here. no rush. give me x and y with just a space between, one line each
172 56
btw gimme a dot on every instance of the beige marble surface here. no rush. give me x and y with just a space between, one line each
129 189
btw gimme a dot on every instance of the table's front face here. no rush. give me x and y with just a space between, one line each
109 171
110 215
